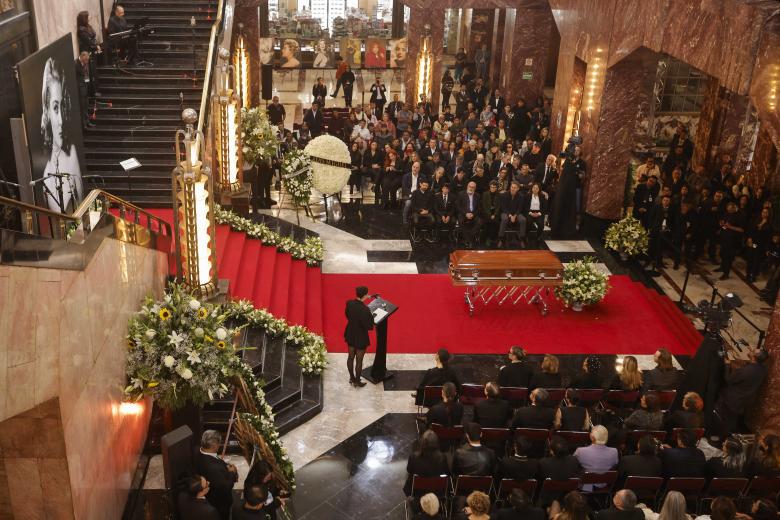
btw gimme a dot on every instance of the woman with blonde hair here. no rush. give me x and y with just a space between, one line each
429 504
548 376
290 50
674 507
630 378
477 506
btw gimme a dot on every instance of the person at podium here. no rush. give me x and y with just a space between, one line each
359 322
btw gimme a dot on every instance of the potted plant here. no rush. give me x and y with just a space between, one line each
628 237
583 284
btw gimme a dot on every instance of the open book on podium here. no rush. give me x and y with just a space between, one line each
381 310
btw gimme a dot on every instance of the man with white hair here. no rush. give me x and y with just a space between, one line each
546 174
598 457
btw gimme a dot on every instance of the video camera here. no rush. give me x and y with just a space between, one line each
717 315
571 144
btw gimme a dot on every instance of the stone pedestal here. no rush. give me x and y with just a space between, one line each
417 21
526 46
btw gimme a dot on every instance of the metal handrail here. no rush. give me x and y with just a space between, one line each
204 100
4 201
163 227
40 221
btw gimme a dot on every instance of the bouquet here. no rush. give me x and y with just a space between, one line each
258 136
296 175
583 284
628 237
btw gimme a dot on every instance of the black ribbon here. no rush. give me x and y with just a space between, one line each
330 162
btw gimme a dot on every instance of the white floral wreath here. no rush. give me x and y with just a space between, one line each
329 178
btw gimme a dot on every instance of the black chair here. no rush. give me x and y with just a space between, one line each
515 395
496 439
762 487
471 394
538 437
439 486
449 436
722 487
465 484
621 399
603 484
690 487
506 486
646 489
555 396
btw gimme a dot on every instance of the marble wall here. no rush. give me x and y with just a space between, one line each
526 47
56 19
67 331
417 21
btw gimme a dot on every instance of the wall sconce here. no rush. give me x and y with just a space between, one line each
424 65
193 211
227 121
594 80
241 71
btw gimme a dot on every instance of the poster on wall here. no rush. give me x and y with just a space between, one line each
323 54
350 51
266 51
376 53
50 98
291 54
398 52
480 28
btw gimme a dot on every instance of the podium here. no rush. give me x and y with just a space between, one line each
381 310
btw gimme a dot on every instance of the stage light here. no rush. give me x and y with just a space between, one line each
227 121
241 71
131 408
194 211
424 65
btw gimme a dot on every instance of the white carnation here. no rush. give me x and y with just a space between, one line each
169 361
194 305
221 334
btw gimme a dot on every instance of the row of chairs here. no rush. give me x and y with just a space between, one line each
649 490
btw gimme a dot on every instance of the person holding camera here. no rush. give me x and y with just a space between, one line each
742 384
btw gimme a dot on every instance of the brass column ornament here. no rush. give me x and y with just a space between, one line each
241 69
226 108
193 211
424 65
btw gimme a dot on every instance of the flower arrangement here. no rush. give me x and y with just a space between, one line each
583 284
258 135
179 349
312 350
627 236
329 178
312 249
296 176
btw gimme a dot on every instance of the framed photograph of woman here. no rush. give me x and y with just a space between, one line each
266 51
376 54
323 54
291 52
350 51
47 82
398 52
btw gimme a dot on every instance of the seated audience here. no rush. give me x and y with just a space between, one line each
648 417
598 457
570 416
548 375
517 372
575 507
664 376
561 465
521 507
644 463
763 509
449 412
674 507
731 464
766 461
691 415
253 506
437 376
426 461
492 412
220 475
589 376
721 508
477 507
192 499
624 508
686 460
472 458
629 378
429 508
518 466
537 415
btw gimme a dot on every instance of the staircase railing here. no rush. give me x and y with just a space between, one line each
99 202
223 6
32 220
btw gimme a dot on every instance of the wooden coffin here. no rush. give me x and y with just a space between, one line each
505 268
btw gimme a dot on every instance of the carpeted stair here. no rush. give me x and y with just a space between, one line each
675 319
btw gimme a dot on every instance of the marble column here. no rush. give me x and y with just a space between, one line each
765 161
720 125
764 416
248 13
706 132
417 21
627 90
496 57
526 47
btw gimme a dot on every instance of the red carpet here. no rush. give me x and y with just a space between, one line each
432 314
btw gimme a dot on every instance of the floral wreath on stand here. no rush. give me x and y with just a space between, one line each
258 135
296 177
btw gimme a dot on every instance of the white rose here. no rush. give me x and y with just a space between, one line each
150 334
186 374
194 305
198 332
169 361
221 334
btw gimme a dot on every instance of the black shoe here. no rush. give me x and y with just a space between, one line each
359 383
270 202
333 95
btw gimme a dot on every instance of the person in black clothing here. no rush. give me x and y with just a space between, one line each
423 207
729 465
758 239
517 372
356 161
192 502
522 508
378 96
492 412
348 81
314 119
87 39
589 377
664 376
643 463
473 458
444 210
276 112
468 205
710 214
449 412
128 46
518 466
690 416
644 199
426 461
359 322
570 416
624 502
538 414
512 213
686 460
261 474
253 506
741 389
684 232
220 475
548 375
661 224
319 91
447 85
534 209
766 459
84 78
675 159
563 214
491 209
374 167
561 465
437 376
732 227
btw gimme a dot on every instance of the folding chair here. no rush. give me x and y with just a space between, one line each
515 395
762 487
538 438
496 439
718 487
558 487
676 431
424 485
646 489
465 484
507 485
575 439
471 394
449 436
690 487
665 398
603 484
431 396
590 396
621 399
555 396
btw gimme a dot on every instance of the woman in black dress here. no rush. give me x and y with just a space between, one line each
563 215
759 237
426 461
359 322
548 376
356 159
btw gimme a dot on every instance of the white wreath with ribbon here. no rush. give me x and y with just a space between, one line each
330 163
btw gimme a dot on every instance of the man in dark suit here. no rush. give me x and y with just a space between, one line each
422 205
192 502
84 79
546 174
512 213
444 209
468 214
473 458
661 224
276 112
437 376
314 119
517 372
741 388
492 412
393 107
538 415
426 153
561 465
497 103
127 45
624 508
253 506
359 322
522 506
644 199
519 466
686 460
220 475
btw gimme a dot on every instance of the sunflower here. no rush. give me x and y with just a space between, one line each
130 344
165 314
208 339
220 344
202 313
152 384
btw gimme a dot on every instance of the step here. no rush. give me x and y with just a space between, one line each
152 54
243 284
149 144
148 90
296 307
160 165
145 4
183 77
254 342
303 410
314 299
124 131
672 317
223 232
232 256
281 285
110 70
264 281
273 362
110 152
173 100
